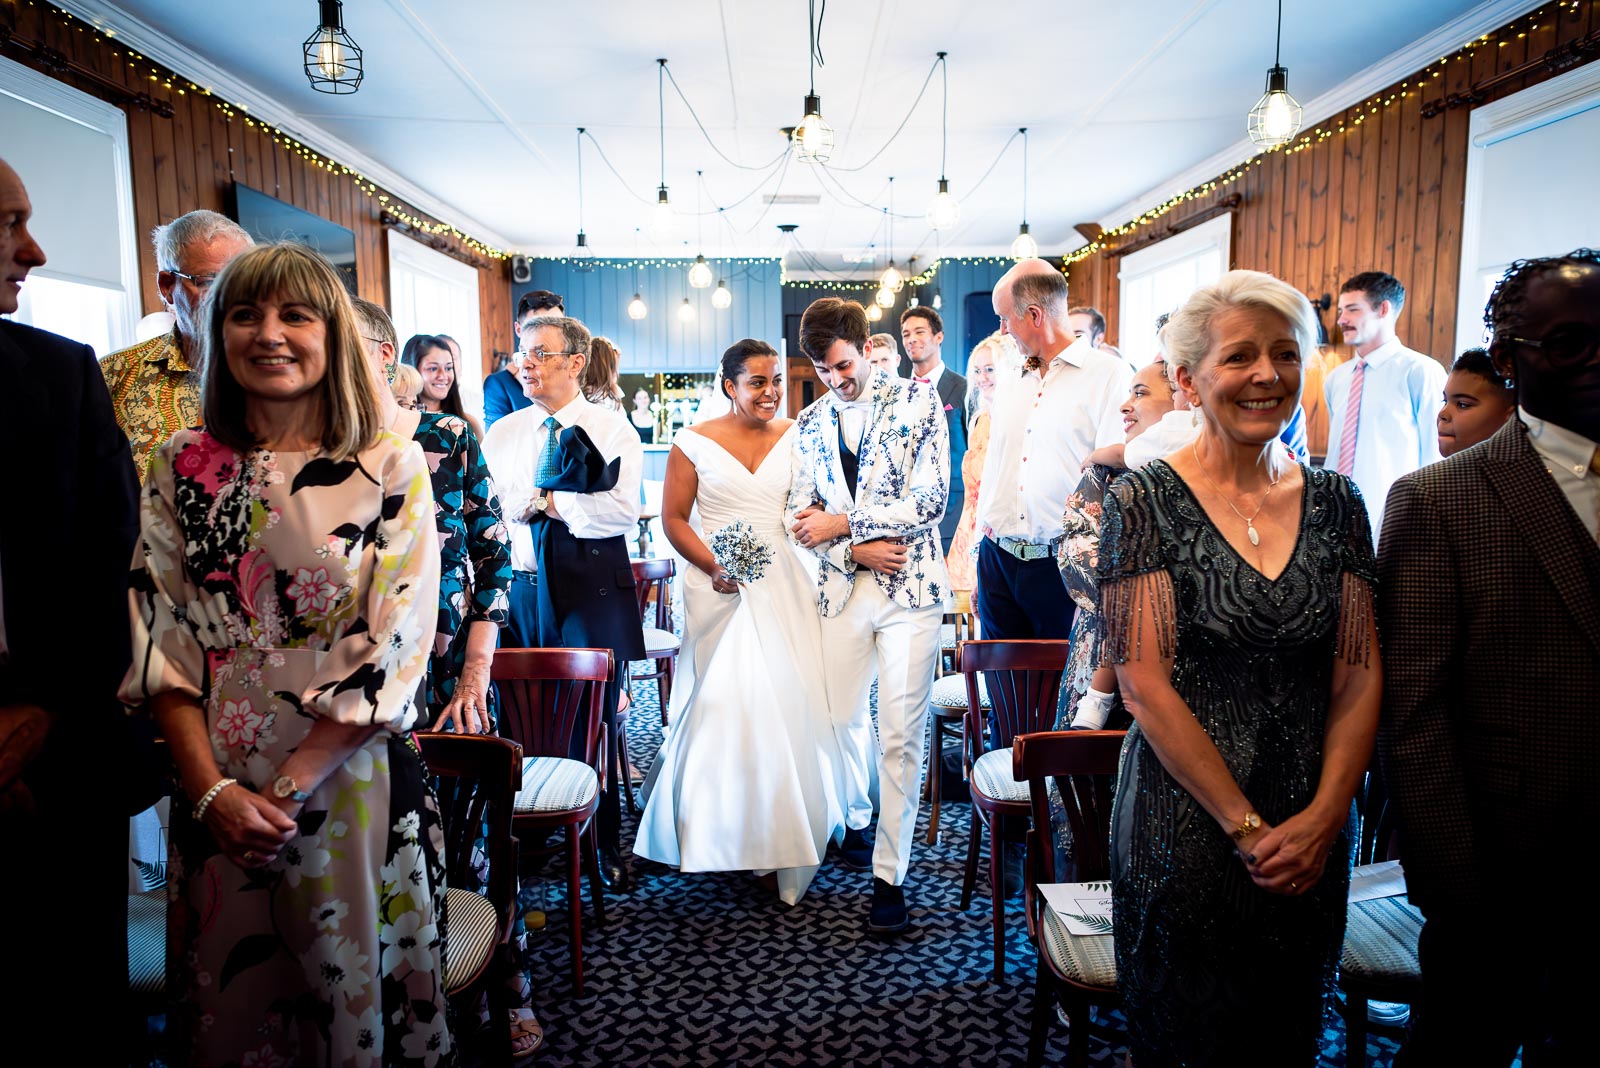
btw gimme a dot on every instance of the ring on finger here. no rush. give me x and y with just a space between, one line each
249 856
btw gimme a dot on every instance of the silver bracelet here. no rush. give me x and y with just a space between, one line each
204 803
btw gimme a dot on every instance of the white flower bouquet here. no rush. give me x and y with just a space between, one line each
742 554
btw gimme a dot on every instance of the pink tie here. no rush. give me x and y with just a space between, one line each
1352 419
919 378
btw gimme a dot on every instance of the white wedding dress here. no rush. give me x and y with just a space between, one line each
747 774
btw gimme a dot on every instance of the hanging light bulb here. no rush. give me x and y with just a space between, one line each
722 296
885 298
943 212
913 302
938 302
686 311
892 279
661 217
874 313
813 138
330 54
1276 117
700 273
1023 246
637 308
332 57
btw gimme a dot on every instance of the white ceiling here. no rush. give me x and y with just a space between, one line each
476 102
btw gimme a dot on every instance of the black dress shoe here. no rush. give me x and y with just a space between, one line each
888 915
855 851
614 875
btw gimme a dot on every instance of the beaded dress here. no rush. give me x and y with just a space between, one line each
1213 970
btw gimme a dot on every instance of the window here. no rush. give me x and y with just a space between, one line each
431 293
1158 279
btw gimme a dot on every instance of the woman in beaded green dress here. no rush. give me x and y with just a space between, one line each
1236 597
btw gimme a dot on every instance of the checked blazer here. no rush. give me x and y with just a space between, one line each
1489 610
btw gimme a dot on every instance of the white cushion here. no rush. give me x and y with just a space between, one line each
555 784
473 928
1380 941
951 692
658 642
147 942
1088 959
991 774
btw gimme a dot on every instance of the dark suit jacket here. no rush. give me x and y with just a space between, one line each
502 395
1489 610
953 394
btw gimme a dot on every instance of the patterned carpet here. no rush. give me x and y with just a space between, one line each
712 970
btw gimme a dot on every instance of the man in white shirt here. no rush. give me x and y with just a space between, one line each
922 330
1383 403
570 502
1062 407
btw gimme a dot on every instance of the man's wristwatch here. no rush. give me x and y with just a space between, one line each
541 502
1247 826
285 788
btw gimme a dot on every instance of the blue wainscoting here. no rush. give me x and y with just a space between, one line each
963 289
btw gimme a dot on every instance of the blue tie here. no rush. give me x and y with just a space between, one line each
548 467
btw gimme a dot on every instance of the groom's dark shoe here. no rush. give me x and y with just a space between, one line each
614 874
888 915
855 851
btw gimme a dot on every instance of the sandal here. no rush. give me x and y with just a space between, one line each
526 1034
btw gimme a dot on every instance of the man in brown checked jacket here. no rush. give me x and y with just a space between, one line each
1489 600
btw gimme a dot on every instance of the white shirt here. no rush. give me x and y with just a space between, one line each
1041 431
513 447
853 421
1172 432
932 376
1401 394
1567 455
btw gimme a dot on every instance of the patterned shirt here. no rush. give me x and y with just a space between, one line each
155 393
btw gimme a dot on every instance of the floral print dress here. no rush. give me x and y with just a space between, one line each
277 589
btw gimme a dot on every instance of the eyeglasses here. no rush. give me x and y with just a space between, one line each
374 340
540 355
1563 348
199 281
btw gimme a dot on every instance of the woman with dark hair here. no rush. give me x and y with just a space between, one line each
600 375
435 359
283 607
744 778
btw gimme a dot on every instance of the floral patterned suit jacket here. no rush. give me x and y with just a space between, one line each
902 487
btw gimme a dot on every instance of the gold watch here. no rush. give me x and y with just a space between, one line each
1247 826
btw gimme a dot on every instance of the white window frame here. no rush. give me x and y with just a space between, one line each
1199 248
1540 105
410 261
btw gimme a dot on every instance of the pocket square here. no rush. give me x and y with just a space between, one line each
949 407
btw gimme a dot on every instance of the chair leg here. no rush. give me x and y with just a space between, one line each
969 879
591 856
935 775
1078 1021
664 685
623 779
997 896
1355 1030
1044 1001
575 908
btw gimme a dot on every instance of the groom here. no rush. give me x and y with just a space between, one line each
871 472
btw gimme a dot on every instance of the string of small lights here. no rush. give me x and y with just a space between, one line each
1346 122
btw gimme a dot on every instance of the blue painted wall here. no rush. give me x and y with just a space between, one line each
659 342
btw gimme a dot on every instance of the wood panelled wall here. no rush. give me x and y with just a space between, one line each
190 161
1384 195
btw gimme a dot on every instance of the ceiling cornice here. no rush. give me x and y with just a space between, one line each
1448 38
156 45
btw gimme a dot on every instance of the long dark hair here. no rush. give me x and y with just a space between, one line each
418 347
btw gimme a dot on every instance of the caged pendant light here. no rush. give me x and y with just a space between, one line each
813 139
1276 117
332 57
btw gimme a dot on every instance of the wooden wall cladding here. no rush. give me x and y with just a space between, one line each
1386 194
191 159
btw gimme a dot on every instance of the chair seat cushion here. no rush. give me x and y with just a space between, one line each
658 642
555 784
951 692
1380 941
991 775
947 636
1088 959
474 929
147 942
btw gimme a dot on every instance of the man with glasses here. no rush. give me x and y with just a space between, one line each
568 475
155 385
1489 575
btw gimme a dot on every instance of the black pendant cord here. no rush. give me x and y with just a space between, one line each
661 114
1024 132
944 118
1277 51
580 179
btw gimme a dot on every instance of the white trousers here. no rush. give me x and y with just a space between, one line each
901 645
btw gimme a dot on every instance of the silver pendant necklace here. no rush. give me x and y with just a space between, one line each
1249 520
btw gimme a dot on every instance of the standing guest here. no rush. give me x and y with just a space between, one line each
1086 322
922 330
883 352
441 390
961 560
1382 403
455 357
502 392
1477 401
643 416
155 385
73 502
568 473
1491 628
407 387
282 610
1236 598
601 379
1062 407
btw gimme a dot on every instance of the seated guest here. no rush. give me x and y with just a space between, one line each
441 391
283 608
1236 600
1491 626
502 393
1477 402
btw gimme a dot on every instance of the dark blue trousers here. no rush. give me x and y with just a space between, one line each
1020 599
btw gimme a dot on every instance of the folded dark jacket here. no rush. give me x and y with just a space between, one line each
579 466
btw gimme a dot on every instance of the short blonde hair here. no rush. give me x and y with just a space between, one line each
351 419
1187 336
407 381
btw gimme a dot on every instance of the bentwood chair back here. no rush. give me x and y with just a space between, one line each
653 580
1021 680
1079 971
550 702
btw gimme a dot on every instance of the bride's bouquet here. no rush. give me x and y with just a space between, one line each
742 554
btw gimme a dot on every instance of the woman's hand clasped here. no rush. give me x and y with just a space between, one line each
249 828
1288 859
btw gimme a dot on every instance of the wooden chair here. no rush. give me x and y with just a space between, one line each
548 697
654 577
476 778
947 711
959 625
1078 971
1022 680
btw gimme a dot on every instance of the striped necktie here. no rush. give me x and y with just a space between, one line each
552 448
1352 419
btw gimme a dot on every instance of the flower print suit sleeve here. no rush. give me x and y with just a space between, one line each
808 453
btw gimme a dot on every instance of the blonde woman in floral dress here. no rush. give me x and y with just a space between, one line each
962 560
284 600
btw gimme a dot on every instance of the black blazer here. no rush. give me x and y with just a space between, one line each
953 394
502 395
1489 610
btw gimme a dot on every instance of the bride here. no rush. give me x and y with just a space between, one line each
745 779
